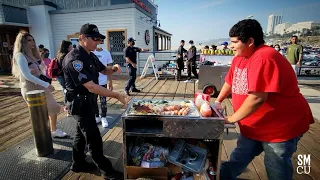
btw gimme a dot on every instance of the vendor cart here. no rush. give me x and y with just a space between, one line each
206 131
212 72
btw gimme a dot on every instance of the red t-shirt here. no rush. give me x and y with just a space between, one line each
285 114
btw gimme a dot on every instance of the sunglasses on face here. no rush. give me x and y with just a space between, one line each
94 38
30 40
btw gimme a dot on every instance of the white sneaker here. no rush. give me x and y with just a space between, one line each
58 133
98 119
197 80
187 81
104 122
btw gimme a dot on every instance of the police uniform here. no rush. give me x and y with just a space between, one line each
131 53
180 65
79 67
191 62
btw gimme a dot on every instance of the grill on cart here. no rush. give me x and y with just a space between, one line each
188 143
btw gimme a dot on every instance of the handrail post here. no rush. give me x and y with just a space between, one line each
38 111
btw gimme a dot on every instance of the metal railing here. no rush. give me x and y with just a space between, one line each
308 71
164 61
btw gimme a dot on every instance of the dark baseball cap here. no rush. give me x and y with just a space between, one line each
131 39
91 30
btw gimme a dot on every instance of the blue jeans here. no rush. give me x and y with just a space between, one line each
63 85
103 105
277 158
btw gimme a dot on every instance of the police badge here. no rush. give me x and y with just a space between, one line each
77 65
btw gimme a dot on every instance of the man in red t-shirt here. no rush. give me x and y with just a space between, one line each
269 108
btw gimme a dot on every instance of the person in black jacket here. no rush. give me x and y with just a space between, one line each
180 65
191 61
130 54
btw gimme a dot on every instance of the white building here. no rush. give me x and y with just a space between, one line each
281 28
273 20
52 21
302 25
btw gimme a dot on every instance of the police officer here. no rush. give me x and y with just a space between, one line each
81 70
180 65
191 62
130 54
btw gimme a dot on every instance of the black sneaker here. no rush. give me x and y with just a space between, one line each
136 90
114 175
83 167
127 93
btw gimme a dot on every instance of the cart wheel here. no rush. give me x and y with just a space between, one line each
209 89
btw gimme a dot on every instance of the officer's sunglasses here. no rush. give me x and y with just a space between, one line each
94 38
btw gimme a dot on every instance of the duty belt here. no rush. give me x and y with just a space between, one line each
89 97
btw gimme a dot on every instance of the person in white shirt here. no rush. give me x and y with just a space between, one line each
105 81
277 48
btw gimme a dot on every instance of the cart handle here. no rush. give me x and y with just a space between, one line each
229 126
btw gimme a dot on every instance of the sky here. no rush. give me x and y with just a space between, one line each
201 20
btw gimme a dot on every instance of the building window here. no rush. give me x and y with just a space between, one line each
15 14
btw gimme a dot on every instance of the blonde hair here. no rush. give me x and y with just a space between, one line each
21 46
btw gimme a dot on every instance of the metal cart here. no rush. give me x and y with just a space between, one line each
211 77
176 127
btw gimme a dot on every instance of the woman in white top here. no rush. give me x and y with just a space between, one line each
277 48
28 68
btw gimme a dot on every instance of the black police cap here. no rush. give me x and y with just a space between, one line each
91 30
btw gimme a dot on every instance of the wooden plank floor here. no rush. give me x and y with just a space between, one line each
14 118
14 114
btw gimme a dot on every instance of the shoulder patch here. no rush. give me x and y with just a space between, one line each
77 65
